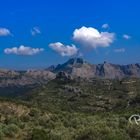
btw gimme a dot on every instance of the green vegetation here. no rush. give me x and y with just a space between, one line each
73 110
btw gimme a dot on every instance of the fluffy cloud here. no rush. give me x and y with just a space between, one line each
35 31
127 37
22 50
105 26
4 32
64 50
120 50
91 37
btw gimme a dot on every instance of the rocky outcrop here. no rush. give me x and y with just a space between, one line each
63 76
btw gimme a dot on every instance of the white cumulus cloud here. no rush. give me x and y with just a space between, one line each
127 37
91 37
35 31
22 50
120 50
4 32
105 26
64 50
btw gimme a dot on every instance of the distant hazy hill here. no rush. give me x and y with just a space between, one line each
13 83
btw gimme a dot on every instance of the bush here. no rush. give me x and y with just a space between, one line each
25 118
38 134
85 134
1 135
10 130
114 136
12 120
34 112
133 131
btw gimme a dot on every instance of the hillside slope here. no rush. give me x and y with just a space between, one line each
73 109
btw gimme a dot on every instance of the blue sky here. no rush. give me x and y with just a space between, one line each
35 24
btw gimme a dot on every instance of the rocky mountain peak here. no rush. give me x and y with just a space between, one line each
76 60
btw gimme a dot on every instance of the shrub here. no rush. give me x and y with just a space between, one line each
10 130
1 135
134 131
34 112
38 134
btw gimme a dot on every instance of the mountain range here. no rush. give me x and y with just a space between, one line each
74 67
77 67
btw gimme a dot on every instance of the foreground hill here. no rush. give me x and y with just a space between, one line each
80 95
73 109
